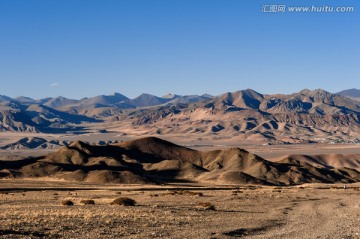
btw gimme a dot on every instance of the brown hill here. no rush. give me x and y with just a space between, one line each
329 160
153 160
159 150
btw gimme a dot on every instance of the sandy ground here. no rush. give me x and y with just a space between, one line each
32 209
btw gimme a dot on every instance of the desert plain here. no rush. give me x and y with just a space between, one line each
33 207
237 165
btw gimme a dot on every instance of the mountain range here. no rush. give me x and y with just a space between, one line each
305 116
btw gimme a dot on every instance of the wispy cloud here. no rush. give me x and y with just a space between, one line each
54 84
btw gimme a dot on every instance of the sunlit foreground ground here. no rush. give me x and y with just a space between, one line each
33 209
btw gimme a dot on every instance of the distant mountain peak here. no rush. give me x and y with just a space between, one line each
350 93
20 98
250 90
170 96
208 96
105 99
4 98
305 91
116 94
321 91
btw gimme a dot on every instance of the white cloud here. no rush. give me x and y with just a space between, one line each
54 84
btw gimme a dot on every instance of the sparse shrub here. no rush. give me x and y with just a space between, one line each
118 193
154 195
124 201
205 206
87 202
170 193
235 192
178 192
190 193
67 203
356 189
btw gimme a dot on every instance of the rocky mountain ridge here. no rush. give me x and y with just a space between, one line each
305 116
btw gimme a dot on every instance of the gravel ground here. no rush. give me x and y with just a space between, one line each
311 211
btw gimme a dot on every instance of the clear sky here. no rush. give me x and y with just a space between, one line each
78 48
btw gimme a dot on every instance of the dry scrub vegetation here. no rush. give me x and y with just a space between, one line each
124 201
205 206
67 203
87 202
318 211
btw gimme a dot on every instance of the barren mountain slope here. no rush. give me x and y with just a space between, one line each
307 116
152 160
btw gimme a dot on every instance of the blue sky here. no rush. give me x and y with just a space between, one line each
78 48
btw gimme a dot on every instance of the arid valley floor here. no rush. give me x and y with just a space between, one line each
32 207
